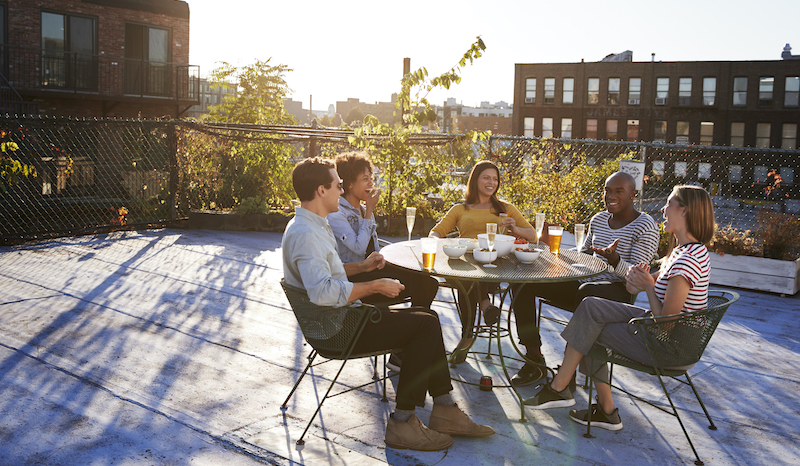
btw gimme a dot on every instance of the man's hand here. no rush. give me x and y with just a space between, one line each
374 261
372 201
388 287
610 253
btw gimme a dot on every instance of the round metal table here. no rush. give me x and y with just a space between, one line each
465 273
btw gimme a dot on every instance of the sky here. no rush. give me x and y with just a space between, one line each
355 49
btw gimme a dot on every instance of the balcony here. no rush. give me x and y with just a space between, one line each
48 73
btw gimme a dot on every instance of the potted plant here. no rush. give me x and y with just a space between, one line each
766 259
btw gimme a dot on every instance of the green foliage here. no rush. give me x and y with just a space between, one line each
223 171
729 240
355 116
557 182
253 205
11 169
774 237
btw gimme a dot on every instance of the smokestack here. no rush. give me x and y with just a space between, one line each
652 57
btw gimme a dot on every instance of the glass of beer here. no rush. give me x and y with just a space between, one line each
411 214
580 234
555 233
428 252
501 227
539 225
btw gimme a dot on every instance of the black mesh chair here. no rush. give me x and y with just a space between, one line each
332 332
675 344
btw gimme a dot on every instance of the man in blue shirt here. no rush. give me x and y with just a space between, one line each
311 262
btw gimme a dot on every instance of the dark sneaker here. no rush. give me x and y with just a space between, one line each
529 373
394 362
549 398
599 418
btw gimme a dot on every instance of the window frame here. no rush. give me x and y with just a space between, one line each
712 102
549 94
760 137
766 98
734 134
610 94
588 131
592 91
530 98
565 91
684 95
70 63
631 91
795 94
706 139
739 92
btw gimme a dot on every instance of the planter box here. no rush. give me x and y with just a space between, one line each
755 273
232 221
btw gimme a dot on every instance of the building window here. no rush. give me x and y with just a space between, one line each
660 131
735 173
685 92
566 127
789 138
787 174
737 134
633 130
69 49
682 132
568 92
706 133
740 91
709 91
703 170
549 90
634 91
547 127
530 91
791 91
760 174
762 134
765 85
680 169
593 97
659 167
612 127
147 57
662 91
613 91
591 128
527 129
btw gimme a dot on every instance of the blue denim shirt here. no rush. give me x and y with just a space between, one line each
352 231
311 262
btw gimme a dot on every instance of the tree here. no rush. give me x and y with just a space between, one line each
355 115
254 167
11 169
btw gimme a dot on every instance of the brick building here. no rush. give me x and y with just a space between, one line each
95 58
383 111
736 103
210 94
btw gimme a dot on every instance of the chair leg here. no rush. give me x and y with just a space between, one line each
697 395
384 399
311 357
698 461
590 379
375 367
300 441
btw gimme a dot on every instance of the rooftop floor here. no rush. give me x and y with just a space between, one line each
178 346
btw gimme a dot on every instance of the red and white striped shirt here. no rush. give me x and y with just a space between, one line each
692 262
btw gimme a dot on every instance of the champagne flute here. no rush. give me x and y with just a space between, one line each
411 214
491 232
539 224
580 232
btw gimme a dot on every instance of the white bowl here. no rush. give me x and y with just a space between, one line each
503 244
527 256
484 256
454 252
469 243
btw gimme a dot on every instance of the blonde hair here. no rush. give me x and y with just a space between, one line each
699 213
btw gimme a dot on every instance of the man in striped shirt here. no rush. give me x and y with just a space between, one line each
620 236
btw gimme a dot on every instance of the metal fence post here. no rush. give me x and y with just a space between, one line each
312 141
172 147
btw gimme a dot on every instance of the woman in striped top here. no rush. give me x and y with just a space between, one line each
681 285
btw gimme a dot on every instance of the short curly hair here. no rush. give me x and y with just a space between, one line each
351 165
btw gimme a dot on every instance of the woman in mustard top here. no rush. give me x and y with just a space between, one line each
481 207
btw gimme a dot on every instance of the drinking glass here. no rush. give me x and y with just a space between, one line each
491 232
501 224
580 232
411 214
555 233
539 225
295 203
428 252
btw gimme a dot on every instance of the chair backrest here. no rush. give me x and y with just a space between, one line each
682 341
329 330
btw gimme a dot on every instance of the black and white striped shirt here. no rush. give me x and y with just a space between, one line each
638 242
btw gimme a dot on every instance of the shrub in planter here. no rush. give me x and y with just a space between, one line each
775 237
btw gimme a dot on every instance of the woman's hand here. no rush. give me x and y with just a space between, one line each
639 278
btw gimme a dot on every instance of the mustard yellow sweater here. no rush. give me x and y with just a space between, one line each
471 222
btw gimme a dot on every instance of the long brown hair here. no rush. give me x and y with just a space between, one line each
472 186
699 214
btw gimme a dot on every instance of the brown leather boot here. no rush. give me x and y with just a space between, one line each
452 421
413 435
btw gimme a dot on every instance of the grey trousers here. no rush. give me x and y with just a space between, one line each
598 320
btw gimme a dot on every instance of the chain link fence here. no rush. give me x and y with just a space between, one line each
94 174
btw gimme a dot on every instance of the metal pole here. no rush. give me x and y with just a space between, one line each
644 159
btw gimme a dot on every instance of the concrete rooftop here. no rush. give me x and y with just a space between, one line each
178 347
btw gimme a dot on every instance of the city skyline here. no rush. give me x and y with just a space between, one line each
353 50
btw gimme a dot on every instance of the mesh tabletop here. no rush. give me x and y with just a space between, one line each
568 265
